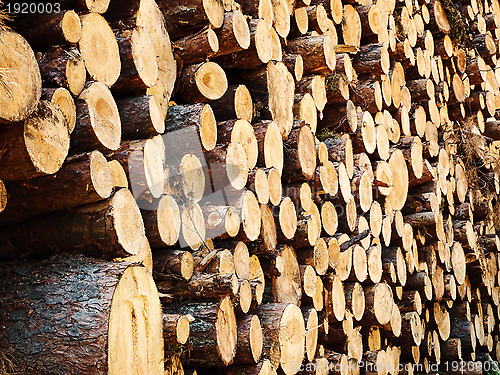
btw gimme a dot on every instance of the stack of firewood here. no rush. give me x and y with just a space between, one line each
261 186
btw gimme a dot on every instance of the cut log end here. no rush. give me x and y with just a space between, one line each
135 313
99 49
226 331
71 26
22 83
46 138
103 121
211 80
127 221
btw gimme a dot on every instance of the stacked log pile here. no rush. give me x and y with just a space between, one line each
254 187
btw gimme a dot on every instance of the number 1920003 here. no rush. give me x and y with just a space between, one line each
33 8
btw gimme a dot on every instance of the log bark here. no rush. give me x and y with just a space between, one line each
139 68
201 83
51 29
140 117
124 302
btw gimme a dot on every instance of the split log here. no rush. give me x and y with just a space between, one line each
125 302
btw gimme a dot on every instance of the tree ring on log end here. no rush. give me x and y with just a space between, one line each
135 337
46 137
211 80
128 222
20 70
226 331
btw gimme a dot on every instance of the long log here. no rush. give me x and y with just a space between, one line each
84 179
107 229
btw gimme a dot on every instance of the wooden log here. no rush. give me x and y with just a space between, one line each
65 102
175 330
199 286
150 18
372 59
185 122
299 154
23 85
174 262
202 83
284 344
262 368
35 147
235 103
250 340
63 67
98 124
184 16
228 166
106 229
143 161
379 301
84 179
213 332
140 117
318 53
286 282
51 29
139 68
125 302
264 46
334 297
193 48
